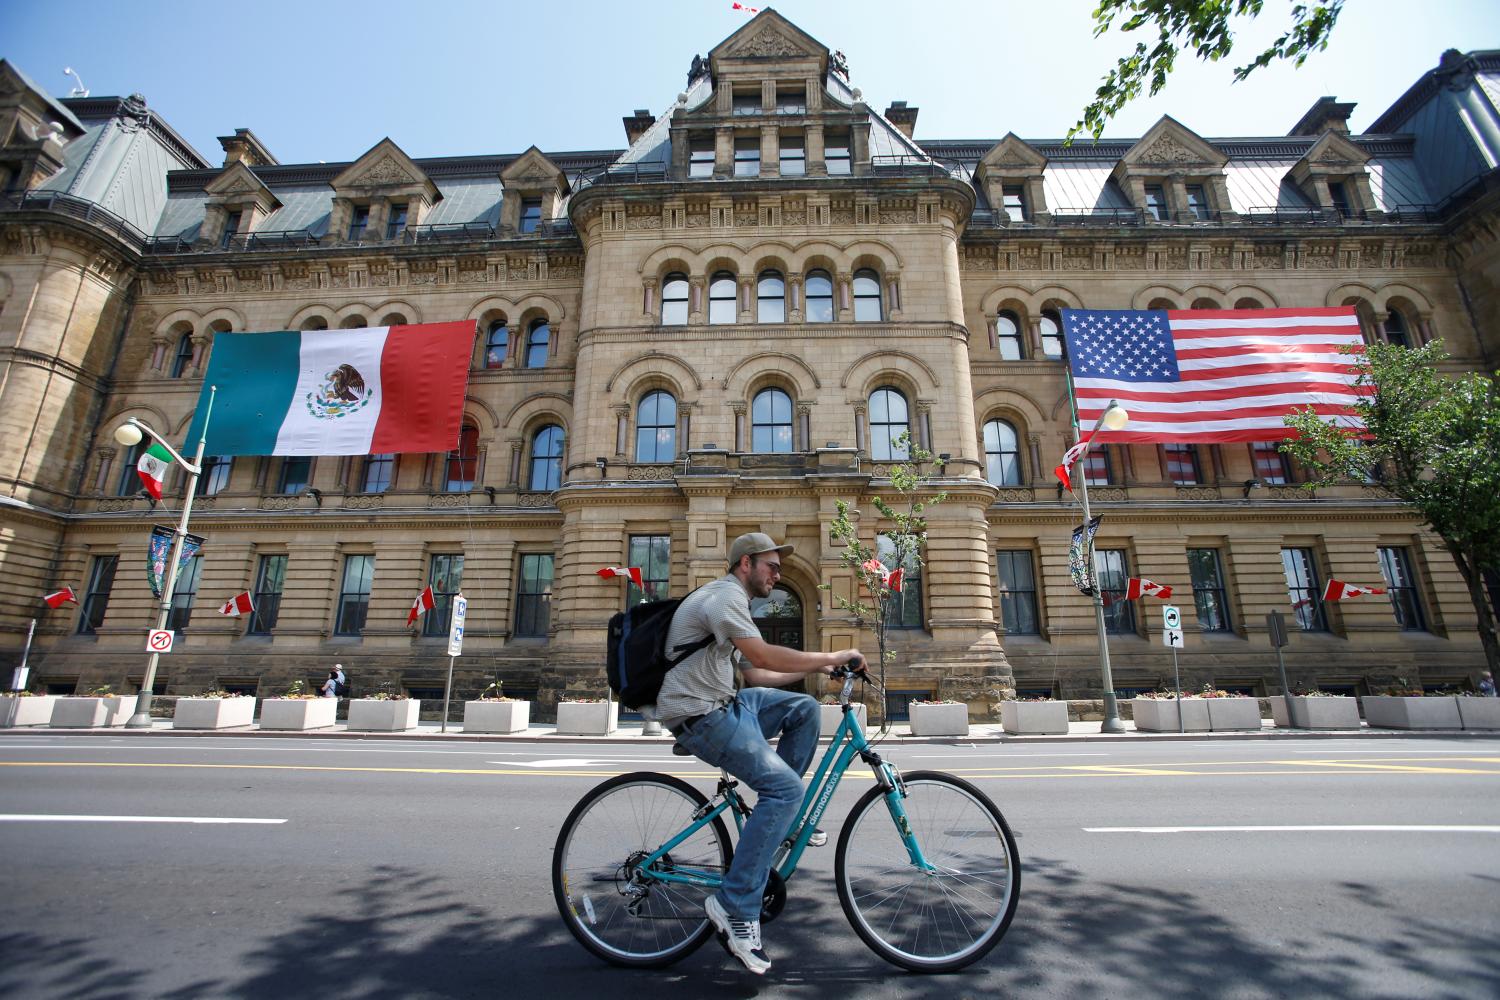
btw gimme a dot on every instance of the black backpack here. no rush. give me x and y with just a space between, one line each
341 688
638 659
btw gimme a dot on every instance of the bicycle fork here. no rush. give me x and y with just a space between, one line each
889 778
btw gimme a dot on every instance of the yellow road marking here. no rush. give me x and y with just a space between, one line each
1394 768
1121 769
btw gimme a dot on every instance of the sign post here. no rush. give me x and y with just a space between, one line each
20 674
1171 620
1277 626
455 647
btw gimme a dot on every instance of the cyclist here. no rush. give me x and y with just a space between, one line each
732 729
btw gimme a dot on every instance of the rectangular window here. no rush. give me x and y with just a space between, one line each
653 554
295 472
231 227
377 473
1401 587
270 577
1182 465
1098 470
747 156
354 597
836 158
1156 202
395 223
1015 201
215 476
791 100
531 214
747 102
130 481
1208 590
903 609
184 590
1339 195
1018 612
793 156
1271 466
1197 201
534 595
359 222
1113 570
1303 590
701 156
445 576
96 599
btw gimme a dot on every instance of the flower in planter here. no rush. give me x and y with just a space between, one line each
219 693
1209 691
582 701
27 694
937 701
103 691
496 692
1032 698
385 696
297 691
1312 693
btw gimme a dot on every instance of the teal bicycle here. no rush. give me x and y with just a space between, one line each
926 866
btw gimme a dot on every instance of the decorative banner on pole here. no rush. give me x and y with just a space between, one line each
160 549
1337 590
1078 555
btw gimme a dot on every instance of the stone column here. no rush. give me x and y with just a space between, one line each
747 299
737 407
648 300
622 429
696 288
794 296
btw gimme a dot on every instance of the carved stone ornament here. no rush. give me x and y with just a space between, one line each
1169 150
387 171
768 44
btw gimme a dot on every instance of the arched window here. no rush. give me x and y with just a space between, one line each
1002 454
184 356
656 428
537 339
1396 330
1248 303
819 297
393 319
354 322
771 422
496 344
546 459
888 421
463 461
721 293
1053 347
770 298
315 323
867 306
674 300
1008 336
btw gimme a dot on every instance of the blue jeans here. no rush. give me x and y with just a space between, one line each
736 738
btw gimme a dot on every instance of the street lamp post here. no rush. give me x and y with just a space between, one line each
129 434
1113 418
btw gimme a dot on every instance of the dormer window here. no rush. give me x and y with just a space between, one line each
747 156
231 226
747 102
531 214
359 221
836 153
1339 195
1156 202
791 101
793 162
701 156
1197 202
395 223
1015 201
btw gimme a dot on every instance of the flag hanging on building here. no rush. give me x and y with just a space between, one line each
420 606
1137 587
58 598
238 605
1064 468
337 392
632 572
152 468
1337 590
1212 375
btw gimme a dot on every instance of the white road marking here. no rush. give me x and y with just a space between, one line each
210 820
575 761
1368 828
1011 756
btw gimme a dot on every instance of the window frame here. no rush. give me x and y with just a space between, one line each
1401 587
184 592
1093 458
654 453
720 314
889 450
1155 196
128 482
270 582
183 359
1175 456
907 604
494 361
538 343
1197 202
533 617
861 300
395 221
1014 338
810 314
530 218
795 165
774 301
998 453
1210 593
772 427
548 465
232 222
701 157
1401 335
653 555
670 284
96 598
445 572
284 477
744 147
1016 600
1261 453
354 604
461 460
838 153
1310 616
1013 200
359 223
215 475
1050 316
1119 614
377 463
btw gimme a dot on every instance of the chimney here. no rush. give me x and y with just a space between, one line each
1326 115
904 118
637 124
244 147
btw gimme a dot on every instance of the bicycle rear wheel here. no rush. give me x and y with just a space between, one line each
651 923
934 921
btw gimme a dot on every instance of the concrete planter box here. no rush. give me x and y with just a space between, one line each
1475 713
582 718
213 713
16 711
939 720
1233 713
833 715
1159 715
1385 712
1035 718
298 713
378 716
91 713
1317 713
496 716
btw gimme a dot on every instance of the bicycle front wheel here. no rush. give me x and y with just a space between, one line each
937 920
618 915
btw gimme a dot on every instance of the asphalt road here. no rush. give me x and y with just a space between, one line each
1289 868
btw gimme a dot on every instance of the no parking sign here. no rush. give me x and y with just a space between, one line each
160 640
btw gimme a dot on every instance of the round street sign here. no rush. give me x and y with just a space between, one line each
160 640
1171 617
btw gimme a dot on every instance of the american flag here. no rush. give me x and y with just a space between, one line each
1211 375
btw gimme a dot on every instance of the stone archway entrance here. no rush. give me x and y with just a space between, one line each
779 617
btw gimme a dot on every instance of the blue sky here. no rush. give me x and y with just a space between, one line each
326 79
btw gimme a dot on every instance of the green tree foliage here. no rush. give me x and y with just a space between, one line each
1433 442
1202 26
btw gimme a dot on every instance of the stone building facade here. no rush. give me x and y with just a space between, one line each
720 328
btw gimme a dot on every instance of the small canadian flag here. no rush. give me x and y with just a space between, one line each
61 597
632 572
1337 590
420 606
1062 472
238 604
1138 587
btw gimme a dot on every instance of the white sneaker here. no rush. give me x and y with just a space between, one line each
818 839
741 938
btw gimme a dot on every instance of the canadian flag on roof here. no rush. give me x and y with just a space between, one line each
238 605
1137 587
633 573
420 606
61 597
1337 590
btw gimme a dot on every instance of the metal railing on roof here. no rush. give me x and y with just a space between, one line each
1066 216
1276 215
448 232
643 172
77 208
908 166
275 239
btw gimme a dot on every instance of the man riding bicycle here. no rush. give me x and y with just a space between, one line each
729 729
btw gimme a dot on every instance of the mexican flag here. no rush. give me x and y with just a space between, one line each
152 468
337 392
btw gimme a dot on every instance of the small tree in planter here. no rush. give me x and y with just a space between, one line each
493 712
906 537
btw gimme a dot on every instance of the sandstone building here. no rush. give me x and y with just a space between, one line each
721 328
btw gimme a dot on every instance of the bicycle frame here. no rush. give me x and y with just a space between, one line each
848 742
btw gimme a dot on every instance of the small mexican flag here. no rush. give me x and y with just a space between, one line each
153 466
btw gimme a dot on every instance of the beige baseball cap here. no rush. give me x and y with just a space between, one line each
753 544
